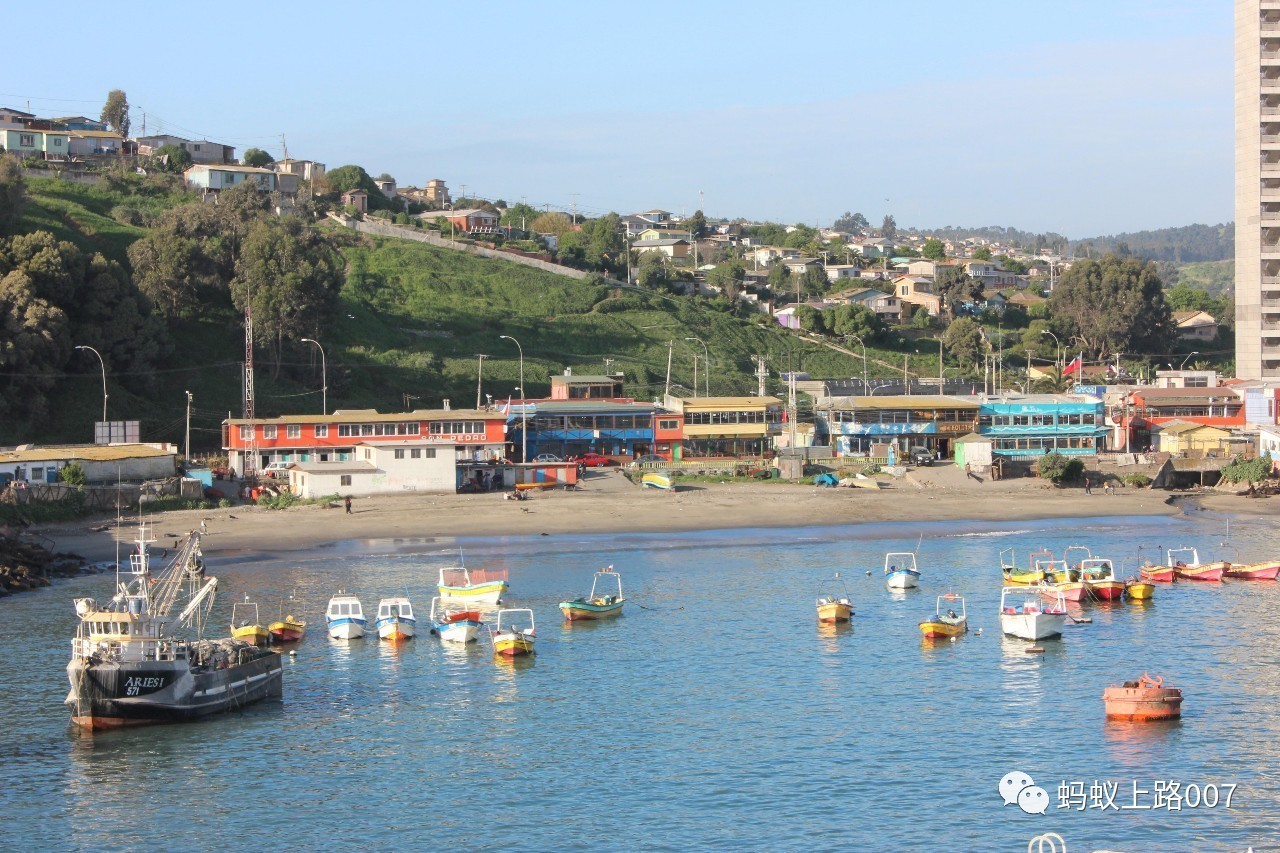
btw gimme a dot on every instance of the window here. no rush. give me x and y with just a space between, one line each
429 453
195 147
246 433
668 424
459 427
27 139
344 480
294 430
322 430
269 431
57 142
415 453
399 452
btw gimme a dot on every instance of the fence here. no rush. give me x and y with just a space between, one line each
96 498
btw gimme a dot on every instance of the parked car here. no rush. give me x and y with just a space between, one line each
648 458
277 470
595 460
547 457
921 457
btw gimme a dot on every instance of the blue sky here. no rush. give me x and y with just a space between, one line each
1083 118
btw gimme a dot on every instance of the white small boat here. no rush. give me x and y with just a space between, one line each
454 624
1032 612
458 583
900 570
395 619
345 617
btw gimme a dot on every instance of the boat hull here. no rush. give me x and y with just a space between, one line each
253 634
395 629
835 612
1210 572
287 631
1257 572
1105 590
1140 590
1071 591
480 593
347 629
1157 574
939 629
512 645
112 695
1142 704
656 481
1032 626
457 632
1023 578
580 609
901 580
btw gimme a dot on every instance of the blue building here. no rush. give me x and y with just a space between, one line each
616 428
1022 426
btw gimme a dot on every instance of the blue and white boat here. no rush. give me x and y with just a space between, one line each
345 617
900 570
395 619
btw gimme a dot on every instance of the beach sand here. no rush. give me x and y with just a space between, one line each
608 503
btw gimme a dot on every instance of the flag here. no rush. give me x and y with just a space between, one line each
1076 365
506 410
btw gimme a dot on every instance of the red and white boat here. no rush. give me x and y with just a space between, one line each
1157 574
1186 564
1059 579
1143 700
1267 571
1099 578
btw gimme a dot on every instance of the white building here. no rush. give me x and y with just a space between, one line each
393 467
100 463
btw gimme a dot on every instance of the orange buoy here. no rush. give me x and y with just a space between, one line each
1143 700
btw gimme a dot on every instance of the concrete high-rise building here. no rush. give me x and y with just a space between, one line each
1257 88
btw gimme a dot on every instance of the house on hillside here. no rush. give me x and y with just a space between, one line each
1196 325
215 179
468 220
27 143
671 248
356 198
800 266
916 291
387 188
307 170
202 151
14 118
89 143
78 123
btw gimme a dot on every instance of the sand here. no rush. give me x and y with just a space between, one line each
607 502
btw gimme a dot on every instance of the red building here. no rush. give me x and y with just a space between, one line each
1147 407
479 435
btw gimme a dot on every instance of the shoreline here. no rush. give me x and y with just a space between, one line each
608 503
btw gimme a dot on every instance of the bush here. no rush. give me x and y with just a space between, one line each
1247 471
284 500
1058 468
870 468
72 474
1139 480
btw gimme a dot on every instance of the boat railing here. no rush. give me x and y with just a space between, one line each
479 576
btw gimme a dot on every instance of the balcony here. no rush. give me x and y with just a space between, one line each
1270 59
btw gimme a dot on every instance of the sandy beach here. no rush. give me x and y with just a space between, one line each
608 502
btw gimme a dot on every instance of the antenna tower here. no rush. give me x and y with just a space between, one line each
251 447
762 373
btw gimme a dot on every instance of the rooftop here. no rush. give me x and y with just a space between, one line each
87 452
349 416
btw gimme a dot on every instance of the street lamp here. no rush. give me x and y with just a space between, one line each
864 360
1056 342
1188 358
324 377
479 376
103 365
186 447
707 364
524 446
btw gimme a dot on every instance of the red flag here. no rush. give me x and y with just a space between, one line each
1076 365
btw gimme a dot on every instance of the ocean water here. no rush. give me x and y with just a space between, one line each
715 714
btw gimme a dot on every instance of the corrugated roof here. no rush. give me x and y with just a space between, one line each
354 416
728 402
86 452
592 406
916 401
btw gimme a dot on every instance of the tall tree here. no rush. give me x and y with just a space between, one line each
13 193
697 224
851 222
982 253
814 282
1113 305
728 276
551 223
964 339
257 157
889 228
779 276
933 249
115 112
954 287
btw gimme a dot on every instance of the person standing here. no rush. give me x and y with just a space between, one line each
1088 487
347 503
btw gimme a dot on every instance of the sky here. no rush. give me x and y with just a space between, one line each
1084 118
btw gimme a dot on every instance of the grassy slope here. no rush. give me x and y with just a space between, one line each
1216 277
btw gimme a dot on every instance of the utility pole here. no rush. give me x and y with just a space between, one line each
940 378
695 375
905 381
791 408
575 208
1027 388
762 374
251 447
284 146
671 348
186 446
479 376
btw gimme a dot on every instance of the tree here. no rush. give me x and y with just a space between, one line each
1113 305
933 249
72 474
779 276
855 320
921 319
889 228
34 346
1058 468
955 287
851 222
652 270
697 224
964 339
982 253
173 159
728 276
1007 263
519 216
257 157
814 281
115 112
811 319
13 193
551 223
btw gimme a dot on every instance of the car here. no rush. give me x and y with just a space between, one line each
277 470
595 460
921 457
547 457
648 459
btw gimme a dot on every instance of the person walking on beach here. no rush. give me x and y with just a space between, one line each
347 503
1088 487
968 472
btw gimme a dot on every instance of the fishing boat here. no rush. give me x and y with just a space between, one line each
657 480
1139 590
1014 576
1143 700
395 620
245 625
130 665
473 587
513 634
1061 579
599 604
454 624
1152 573
835 609
900 570
345 617
1267 571
949 624
288 628
1025 615
1099 577
1186 564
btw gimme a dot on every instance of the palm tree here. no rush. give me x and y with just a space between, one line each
1055 382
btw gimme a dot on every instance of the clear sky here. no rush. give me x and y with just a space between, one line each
1083 117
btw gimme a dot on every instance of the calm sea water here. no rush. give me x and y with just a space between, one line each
715 714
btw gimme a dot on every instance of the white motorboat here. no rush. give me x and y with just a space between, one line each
345 617
900 570
395 619
1032 612
454 624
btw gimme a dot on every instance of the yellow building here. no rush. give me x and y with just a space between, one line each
1183 438
728 427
